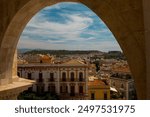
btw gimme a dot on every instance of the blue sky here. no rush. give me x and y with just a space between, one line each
69 26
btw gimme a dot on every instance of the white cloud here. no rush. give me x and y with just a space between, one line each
68 31
56 34
75 23
26 42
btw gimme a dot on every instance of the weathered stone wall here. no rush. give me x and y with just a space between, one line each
146 11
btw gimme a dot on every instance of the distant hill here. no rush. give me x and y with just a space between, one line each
114 55
107 55
63 52
23 50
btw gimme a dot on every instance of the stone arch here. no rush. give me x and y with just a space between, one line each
123 18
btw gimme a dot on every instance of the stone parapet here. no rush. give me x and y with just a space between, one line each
12 90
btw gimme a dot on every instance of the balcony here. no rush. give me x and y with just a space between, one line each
40 80
81 80
51 80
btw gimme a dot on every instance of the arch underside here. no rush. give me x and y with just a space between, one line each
124 18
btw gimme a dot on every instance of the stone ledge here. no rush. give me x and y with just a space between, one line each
12 90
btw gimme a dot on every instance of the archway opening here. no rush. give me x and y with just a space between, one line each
73 27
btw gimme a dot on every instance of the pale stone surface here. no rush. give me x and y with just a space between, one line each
12 90
123 17
14 68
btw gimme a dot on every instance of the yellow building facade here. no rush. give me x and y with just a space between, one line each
98 90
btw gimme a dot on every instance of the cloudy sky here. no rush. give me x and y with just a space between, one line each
69 26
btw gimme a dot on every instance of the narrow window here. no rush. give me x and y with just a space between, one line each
72 76
63 76
92 96
105 95
40 77
51 76
80 89
80 76
29 76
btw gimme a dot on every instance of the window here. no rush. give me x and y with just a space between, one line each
51 77
51 89
80 89
40 89
72 91
92 96
40 77
105 95
72 76
122 94
63 76
80 76
63 89
29 76
66 89
122 86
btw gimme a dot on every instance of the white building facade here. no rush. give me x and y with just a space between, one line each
69 80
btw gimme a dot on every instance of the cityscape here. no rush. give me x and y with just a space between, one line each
76 58
76 75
